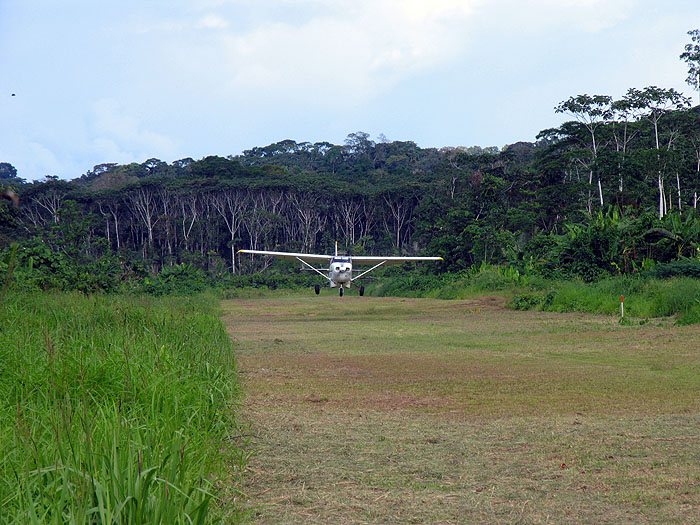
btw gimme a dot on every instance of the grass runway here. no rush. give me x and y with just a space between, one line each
371 410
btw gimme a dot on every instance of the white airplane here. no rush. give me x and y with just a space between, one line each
339 266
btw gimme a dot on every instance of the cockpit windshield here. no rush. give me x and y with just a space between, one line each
340 260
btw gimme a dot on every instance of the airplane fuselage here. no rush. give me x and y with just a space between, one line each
340 272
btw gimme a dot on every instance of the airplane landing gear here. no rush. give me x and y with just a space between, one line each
317 288
341 291
362 291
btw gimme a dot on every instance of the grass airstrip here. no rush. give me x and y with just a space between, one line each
424 410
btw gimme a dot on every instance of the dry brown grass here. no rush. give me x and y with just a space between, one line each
369 410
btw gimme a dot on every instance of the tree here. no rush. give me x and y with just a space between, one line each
592 111
623 134
653 103
359 143
143 204
230 205
7 171
45 198
154 166
691 56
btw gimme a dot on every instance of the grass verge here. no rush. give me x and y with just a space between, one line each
645 297
114 409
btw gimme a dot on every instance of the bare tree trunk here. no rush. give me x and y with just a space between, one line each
51 202
311 220
143 204
167 202
368 217
112 209
116 227
348 213
401 211
189 214
230 206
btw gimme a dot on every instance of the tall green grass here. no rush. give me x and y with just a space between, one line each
643 297
477 280
114 409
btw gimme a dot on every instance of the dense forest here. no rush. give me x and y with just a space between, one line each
611 191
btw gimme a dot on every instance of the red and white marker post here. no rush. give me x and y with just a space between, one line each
622 306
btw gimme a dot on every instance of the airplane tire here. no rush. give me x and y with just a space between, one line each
341 291
317 288
362 291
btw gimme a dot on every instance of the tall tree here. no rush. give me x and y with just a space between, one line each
653 103
8 173
623 134
592 111
143 204
230 205
691 56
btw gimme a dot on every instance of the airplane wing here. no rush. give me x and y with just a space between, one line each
371 260
289 256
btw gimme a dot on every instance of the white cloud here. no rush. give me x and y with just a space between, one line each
212 21
219 76
342 53
542 17
345 52
121 137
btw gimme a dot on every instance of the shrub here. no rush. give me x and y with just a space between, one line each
681 268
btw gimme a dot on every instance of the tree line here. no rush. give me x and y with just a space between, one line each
611 190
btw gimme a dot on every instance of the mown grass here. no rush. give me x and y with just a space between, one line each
396 410
114 409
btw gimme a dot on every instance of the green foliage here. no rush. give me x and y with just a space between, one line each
113 410
180 279
691 56
644 297
531 301
583 202
681 268
39 267
272 280
482 278
612 244
589 250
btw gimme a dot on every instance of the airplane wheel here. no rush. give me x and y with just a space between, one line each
317 288
341 291
362 291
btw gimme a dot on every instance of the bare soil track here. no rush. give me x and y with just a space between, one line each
387 410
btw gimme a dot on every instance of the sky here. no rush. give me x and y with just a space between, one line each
125 81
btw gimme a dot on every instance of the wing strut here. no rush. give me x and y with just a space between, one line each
314 269
367 271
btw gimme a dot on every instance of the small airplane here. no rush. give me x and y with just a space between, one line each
339 266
